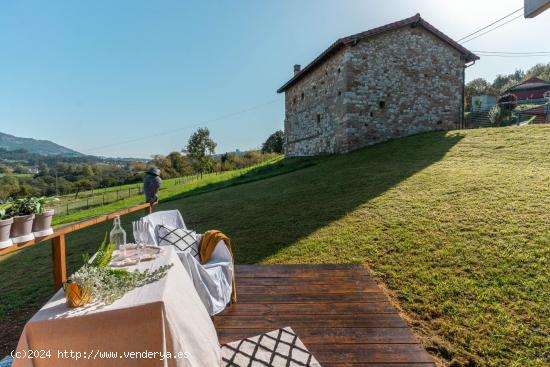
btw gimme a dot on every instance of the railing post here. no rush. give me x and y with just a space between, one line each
59 264
149 209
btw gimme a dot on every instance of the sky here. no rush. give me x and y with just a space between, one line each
132 78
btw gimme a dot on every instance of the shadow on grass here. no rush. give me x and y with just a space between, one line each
263 211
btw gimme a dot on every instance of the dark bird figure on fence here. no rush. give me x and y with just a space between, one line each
151 185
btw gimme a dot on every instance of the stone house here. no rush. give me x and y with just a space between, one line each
396 80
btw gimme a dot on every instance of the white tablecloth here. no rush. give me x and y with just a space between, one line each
165 317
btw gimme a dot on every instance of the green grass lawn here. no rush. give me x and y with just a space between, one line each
455 225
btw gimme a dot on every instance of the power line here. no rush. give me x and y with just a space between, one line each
513 53
516 56
493 29
495 22
168 132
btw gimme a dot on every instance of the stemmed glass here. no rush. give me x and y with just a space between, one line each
140 236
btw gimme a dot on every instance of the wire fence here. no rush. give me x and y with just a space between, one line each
517 113
98 198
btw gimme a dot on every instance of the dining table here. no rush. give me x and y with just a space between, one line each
163 323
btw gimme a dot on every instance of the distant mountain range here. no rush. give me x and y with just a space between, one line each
42 147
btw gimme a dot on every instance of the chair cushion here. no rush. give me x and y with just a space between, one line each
278 348
183 239
7 361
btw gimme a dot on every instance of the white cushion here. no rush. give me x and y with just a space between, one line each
183 239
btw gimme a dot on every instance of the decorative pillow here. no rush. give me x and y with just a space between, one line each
183 239
278 348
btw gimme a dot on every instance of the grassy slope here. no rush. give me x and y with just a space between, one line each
169 190
455 225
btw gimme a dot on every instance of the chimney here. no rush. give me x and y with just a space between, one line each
297 69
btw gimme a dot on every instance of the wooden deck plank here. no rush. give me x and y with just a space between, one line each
338 311
334 335
277 322
311 288
355 308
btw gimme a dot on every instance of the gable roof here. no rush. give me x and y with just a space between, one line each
415 20
531 83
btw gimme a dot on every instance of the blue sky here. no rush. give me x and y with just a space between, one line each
93 75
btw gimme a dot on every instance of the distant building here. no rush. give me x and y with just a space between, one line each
533 88
399 79
483 103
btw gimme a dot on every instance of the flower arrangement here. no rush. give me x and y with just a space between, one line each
107 285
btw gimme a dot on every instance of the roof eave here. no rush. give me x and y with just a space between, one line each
412 21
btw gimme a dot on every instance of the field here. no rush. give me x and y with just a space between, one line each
454 225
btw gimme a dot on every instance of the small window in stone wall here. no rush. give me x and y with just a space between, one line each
318 118
339 70
439 122
371 114
382 104
339 93
302 96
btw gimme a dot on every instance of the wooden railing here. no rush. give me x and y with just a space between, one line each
59 265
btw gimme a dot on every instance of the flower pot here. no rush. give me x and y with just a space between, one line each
42 225
5 228
76 295
21 229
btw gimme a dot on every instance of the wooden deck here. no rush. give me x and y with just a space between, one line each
338 311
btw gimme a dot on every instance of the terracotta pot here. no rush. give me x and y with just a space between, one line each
5 228
76 295
42 225
21 229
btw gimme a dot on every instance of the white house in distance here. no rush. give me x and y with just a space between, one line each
483 103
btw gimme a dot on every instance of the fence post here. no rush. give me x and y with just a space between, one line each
67 208
87 203
103 201
59 262
129 193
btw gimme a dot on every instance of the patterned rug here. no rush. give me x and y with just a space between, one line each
278 348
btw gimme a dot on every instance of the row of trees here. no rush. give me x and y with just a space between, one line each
69 175
198 156
502 82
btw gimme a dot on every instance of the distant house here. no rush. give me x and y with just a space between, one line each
396 80
483 103
533 88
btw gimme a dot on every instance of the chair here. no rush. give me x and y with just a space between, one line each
212 280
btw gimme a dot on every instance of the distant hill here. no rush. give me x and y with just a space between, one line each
42 147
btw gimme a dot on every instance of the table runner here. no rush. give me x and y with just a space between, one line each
165 317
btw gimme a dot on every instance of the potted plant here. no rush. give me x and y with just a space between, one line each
42 225
22 211
5 227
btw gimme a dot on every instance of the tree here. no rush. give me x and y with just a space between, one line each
180 164
275 143
503 82
9 185
200 149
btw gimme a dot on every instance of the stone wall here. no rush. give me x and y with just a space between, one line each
314 110
399 83
402 82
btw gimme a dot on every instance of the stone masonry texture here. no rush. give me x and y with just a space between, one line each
397 83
